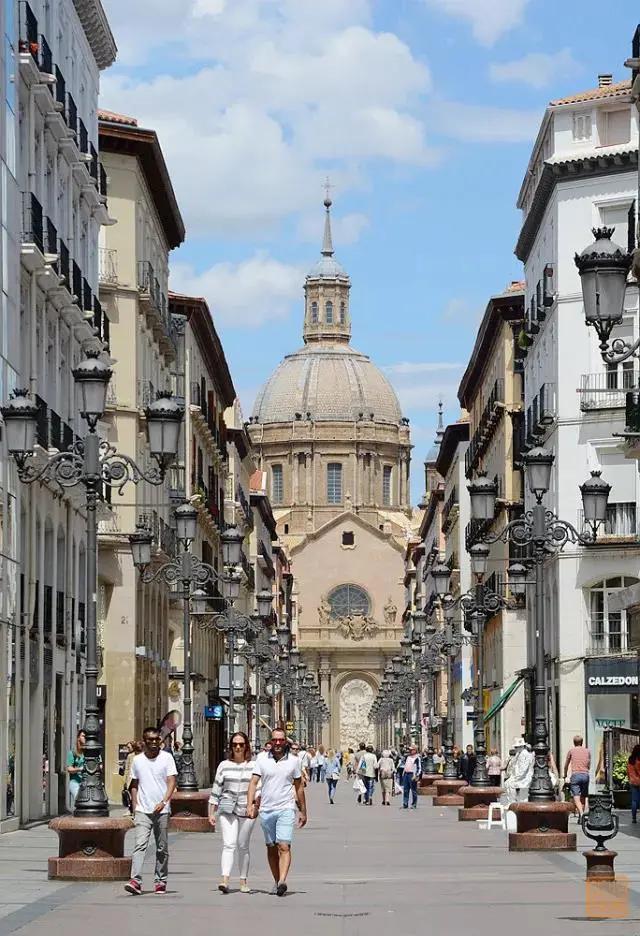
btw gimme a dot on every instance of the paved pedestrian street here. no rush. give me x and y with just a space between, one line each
356 870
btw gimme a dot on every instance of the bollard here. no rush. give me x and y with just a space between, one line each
600 824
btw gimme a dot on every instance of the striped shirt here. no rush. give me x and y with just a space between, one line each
230 786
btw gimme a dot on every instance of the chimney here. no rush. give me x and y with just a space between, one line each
605 80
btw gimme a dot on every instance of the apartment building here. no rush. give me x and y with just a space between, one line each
201 476
450 465
582 174
492 392
53 205
134 634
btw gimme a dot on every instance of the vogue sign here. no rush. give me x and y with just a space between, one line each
606 676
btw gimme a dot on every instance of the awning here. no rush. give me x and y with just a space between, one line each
504 698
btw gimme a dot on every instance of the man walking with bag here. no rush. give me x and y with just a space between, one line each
153 783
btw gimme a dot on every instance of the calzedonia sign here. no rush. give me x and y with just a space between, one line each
611 676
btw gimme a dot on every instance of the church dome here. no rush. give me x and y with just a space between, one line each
327 382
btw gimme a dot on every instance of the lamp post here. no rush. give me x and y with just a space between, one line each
543 533
95 464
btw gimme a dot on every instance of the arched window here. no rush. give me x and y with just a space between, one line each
277 484
328 312
343 313
314 313
348 599
608 629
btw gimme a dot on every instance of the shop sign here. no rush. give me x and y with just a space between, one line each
611 676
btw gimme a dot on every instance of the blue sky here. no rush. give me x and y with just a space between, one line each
422 112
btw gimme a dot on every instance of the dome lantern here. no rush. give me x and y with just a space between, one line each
326 294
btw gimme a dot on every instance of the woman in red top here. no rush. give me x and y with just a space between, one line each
633 772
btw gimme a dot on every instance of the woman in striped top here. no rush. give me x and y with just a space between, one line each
228 801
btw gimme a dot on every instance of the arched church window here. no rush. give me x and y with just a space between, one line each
314 313
328 312
343 313
346 600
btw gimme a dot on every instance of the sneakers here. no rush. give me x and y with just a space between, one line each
245 889
281 889
133 887
160 888
274 890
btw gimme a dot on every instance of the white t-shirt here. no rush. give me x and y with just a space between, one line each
151 774
277 781
304 759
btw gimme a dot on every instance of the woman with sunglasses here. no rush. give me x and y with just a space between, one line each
228 801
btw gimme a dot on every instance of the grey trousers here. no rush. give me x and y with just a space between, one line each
146 823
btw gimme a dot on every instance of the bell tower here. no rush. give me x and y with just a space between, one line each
326 294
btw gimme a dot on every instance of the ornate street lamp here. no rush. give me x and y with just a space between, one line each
604 267
95 464
543 533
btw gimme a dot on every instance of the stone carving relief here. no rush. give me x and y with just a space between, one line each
357 626
390 612
356 697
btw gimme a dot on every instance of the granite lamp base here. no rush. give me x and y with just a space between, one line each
426 785
189 810
542 827
600 864
447 792
90 849
477 801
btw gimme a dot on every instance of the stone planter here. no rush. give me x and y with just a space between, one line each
189 811
90 849
477 801
542 827
426 786
447 792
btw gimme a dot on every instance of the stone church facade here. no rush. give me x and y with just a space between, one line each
328 430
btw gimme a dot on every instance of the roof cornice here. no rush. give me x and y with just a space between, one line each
196 311
94 21
555 172
508 307
453 435
130 140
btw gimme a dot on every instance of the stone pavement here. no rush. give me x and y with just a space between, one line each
357 870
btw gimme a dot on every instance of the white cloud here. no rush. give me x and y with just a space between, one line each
248 294
538 69
420 367
489 19
475 123
273 94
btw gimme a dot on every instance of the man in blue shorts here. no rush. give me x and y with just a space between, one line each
281 777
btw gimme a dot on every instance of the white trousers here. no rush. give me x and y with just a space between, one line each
236 836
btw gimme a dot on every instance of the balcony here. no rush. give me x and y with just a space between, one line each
606 390
32 226
620 523
486 427
177 489
108 269
450 511
147 393
154 303
60 619
265 560
609 634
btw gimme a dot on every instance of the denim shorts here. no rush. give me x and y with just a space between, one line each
278 826
579 784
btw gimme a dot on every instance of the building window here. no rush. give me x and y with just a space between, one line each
343 313
314 313
346 600
582 126
277 484
387 475
348 538
328 312
614 126
334 483
608 631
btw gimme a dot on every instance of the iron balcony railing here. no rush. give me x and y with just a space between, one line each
64 262
33 223
46 57
606 390
28 31
72 114
93 165
489 419
51 241
60 621
621 520
83 136
87 296
47 619
61 89
76 277
102 180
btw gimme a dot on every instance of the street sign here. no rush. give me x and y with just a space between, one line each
272 688
214 712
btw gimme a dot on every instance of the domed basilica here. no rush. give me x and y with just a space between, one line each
328 431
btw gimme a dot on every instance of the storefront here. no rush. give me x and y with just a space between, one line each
612 686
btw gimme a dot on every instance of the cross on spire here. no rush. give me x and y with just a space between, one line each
327 241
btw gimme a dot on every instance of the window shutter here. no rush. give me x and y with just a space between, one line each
631 228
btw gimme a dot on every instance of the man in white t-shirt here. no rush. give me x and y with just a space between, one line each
153 783
280 775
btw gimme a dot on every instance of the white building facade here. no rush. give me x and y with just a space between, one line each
53 204
582 175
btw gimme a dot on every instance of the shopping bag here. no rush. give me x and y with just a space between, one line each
396 788
359 787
